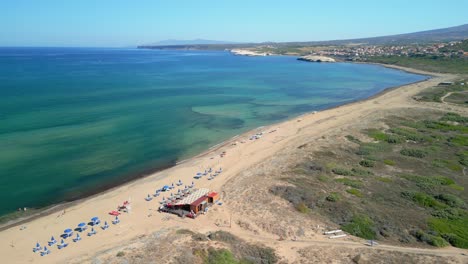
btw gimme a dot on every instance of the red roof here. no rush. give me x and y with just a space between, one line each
199 201
212 194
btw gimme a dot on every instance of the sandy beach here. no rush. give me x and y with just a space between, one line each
16 245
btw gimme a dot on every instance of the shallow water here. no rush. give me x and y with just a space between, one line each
74 121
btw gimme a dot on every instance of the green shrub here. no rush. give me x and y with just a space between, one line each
410 135
430 239
120 254
302 207
367 163
333 197
323 178
427 182
440 163
353 139
450 200
455 240
422 199
342 171
361 226
459 140
456 230
355 192
224 236
384 179
447 213
377 134
361 172
417 153
220 256
454 117
457 187
389 162
350 182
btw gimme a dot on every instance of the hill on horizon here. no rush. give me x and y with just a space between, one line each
421 37
169 42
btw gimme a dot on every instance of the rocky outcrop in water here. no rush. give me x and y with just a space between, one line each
315 58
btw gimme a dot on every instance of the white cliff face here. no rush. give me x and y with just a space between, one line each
242 52
315 58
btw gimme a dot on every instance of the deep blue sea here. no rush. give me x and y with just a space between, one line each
74 121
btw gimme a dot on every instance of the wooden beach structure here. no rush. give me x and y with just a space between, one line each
192 205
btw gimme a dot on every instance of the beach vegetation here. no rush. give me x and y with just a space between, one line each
355 192
454 230
342 171
350 182
333 197
361 226
323 178
424 177
224 256
353 139
302 207
120 254
417 153
384 179
432 240
425 62
367 163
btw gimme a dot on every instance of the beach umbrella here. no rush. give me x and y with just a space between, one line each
94 219
67 231
82 225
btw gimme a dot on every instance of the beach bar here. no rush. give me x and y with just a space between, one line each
195 203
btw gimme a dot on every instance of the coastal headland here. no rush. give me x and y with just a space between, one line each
241 194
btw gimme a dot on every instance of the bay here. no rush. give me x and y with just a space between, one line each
74 121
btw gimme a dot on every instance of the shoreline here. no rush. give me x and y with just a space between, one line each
143 221
134 177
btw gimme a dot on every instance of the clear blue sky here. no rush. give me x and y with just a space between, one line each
126 23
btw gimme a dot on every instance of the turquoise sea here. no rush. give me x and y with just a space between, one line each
74 121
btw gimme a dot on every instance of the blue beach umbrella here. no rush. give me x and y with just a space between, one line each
68 232
81 225
94 219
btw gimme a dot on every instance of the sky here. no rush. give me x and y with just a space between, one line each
120 23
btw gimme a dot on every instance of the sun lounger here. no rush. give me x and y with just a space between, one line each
78 238
62 244
93 232
46 251
148 198
105 226
37 247
52 241
116 220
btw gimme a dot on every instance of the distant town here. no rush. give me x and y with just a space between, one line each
450 49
